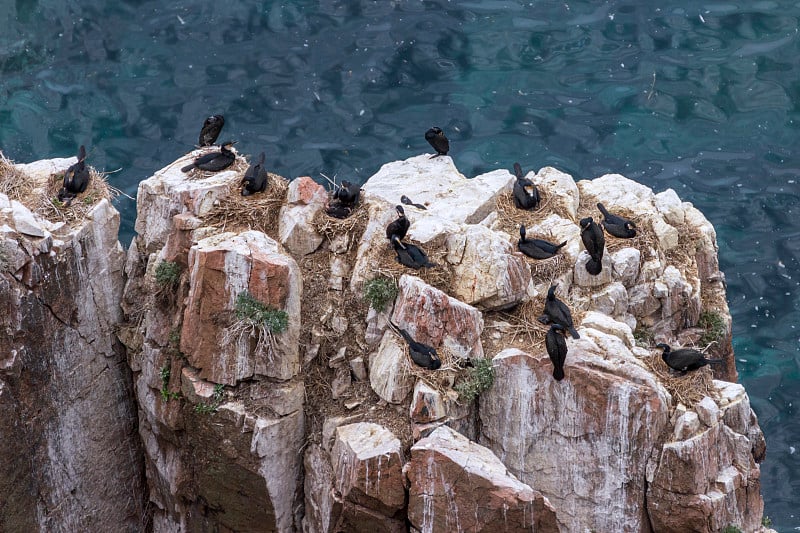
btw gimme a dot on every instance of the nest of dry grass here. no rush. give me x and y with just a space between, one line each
440 380
47 204
525 326
14 183
509 217
240 166
259 211
441 276
332 227
688 389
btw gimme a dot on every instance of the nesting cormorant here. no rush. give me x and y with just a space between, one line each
422 354
347 193
338 210
407 201
557 312
255 179
398 227
685 359
595 242
617 225
556 349
76 178
526 195
215 161
410 255
537 248
435 136
211 128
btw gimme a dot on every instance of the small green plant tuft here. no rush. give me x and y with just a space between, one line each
257 314
732 529
479 378
643 336
166 395
379 292
766 521
167 273
713 325
216 400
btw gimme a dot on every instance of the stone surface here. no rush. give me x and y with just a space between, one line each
427 405
368 467
489 274
389 376
432 317
451 478
221 268
304 199
606 417
66 393
560 188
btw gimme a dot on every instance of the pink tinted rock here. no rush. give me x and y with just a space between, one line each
451 477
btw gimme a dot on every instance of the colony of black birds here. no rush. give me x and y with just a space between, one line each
526 196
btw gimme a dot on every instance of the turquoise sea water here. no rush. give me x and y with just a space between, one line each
702 97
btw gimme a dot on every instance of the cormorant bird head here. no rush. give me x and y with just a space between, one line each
551 292
630 225
664 347
81 153
227 145
522 231
400 210
559 328
396 241
586 222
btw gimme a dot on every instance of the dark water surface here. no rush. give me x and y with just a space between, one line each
703 97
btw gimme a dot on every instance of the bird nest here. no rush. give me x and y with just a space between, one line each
645 239
239 165
332 227
509 217
42 198
384 263
441 380
259 211
688 389
525 328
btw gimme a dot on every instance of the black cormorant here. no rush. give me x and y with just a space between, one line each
398 227
537 248
407 201
422 354
557 312
347 193
211 128
410 255
435 136
685 359
595 242
76 178
215 161
617 225
556 349
526 195
255 179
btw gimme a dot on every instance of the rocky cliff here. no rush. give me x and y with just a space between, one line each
71 457
275 394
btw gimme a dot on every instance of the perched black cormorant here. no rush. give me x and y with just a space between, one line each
595 242
255 179
347 193
338 210
685 359
211 128
556 349
617 225
215 161
537 248
422 354
410 255
398 227
76 178
557 312
407 201
526 195
435 136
